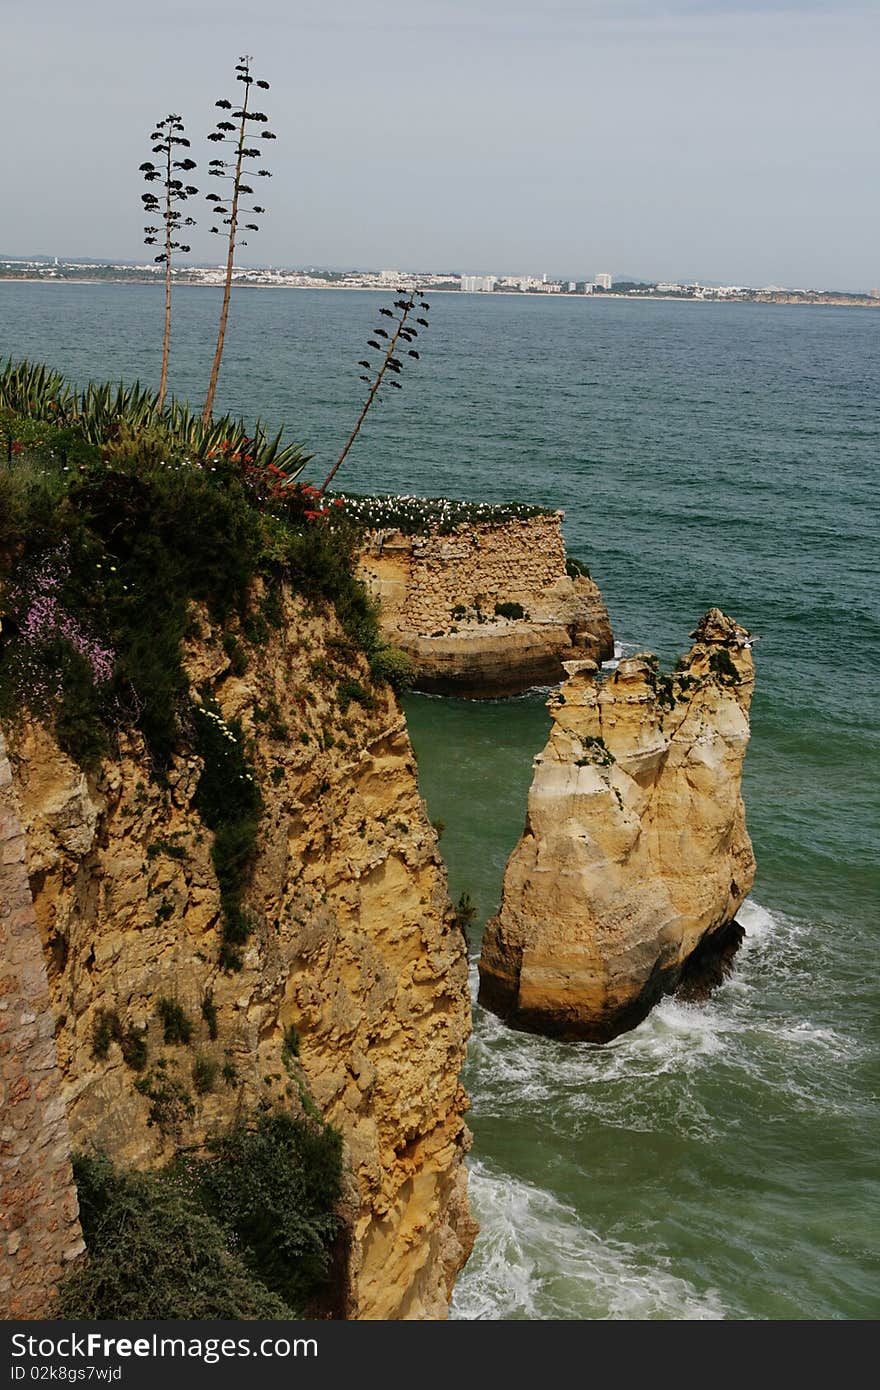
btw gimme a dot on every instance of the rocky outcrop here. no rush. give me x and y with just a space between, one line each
353 987
440 592
635 856
39 1218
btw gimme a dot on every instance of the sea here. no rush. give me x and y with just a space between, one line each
719 1161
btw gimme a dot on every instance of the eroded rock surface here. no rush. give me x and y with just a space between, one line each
39 1222
635 857
354 979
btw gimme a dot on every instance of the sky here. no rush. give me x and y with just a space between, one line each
733 141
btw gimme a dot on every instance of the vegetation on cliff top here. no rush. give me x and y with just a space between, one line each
415 515
112 528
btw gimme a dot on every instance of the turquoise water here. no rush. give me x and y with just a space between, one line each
719 1161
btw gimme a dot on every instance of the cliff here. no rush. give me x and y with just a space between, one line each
352 988
487 609
39 1226
635 856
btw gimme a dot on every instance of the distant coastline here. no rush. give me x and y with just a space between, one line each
820 299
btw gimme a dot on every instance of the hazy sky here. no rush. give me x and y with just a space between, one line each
731 140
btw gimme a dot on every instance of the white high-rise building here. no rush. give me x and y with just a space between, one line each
603 280
478 284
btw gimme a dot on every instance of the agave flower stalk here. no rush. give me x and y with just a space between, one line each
411 310
228 211
169 138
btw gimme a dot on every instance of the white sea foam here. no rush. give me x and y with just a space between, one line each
757 921
535 1259
653 1078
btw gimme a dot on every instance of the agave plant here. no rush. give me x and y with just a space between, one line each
99 409
169 139
33 390
236 133
386 340
226 435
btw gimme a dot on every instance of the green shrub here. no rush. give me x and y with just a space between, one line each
722 665
464 913
170 1102
176 537
106 1029
209 1014
255 628
276 1188
228 800
320 562
177 1028
576 568
596 753
166 847
509 610
238 657
132 1041
204 1075
321 670
134 1048
153 1252
290 1046
418 515
351 690
393 666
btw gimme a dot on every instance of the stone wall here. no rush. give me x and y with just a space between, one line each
421 579
438 595
39 1220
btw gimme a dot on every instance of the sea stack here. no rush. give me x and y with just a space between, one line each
635 857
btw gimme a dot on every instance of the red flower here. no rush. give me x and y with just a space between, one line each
338 502
17 446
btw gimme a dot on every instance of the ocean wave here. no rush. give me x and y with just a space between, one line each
654 1078
535 1259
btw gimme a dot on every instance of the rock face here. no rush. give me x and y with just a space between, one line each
438 595
353 952
635 856
39 1220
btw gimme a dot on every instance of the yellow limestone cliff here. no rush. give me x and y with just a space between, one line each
353 953
635 856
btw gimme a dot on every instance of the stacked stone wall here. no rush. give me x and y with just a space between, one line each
422 579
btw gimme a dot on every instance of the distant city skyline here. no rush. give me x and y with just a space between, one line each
48 268
476 282
712 140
